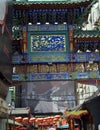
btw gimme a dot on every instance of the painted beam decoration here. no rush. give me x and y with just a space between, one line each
64 57
55 76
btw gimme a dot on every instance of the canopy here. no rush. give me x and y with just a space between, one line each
77 114
46 107
14 122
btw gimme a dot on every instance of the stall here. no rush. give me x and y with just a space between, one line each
12 124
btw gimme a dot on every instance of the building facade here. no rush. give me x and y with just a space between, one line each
5 59
50 44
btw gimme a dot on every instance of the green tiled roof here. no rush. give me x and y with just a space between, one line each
92 33
48 1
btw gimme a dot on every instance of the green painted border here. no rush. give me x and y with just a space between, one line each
48 1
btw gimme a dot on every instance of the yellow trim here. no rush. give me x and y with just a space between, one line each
77 114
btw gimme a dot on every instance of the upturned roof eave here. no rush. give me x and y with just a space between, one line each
89 35
51 4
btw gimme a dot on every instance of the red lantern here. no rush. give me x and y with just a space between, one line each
18 119
44 119
25 120
56 118
37 121
32 120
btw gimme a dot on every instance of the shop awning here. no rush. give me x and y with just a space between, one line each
12 122
77 114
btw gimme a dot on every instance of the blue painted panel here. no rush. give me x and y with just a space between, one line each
42 43
93 75
78 75
16 59
56 76
81 57
45 58
52 76
93 56
16 77
47 27
97 57
24 77
81 75
67 57
72 57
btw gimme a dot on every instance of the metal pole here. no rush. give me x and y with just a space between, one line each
7 125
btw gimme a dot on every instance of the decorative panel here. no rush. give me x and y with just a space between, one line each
16 77
48 42
32 68
93 75
79 67
81 57
93 56
83 75
62 67
91 67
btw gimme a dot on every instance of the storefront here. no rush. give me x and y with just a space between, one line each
3 114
